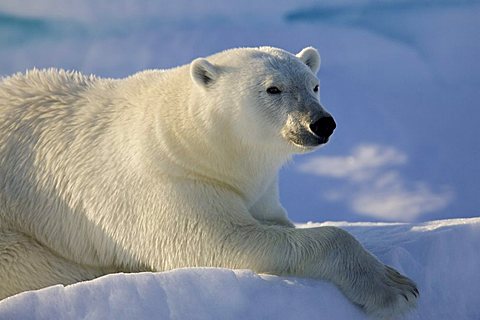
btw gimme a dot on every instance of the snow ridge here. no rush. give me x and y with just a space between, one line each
431 253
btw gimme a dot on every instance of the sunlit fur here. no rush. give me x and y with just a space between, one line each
167 169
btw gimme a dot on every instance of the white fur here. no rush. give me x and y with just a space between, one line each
168 169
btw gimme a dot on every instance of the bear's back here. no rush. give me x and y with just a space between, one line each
41 82
50 98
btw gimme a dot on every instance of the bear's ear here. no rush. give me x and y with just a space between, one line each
203 72
311 58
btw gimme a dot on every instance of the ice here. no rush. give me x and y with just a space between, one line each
443 257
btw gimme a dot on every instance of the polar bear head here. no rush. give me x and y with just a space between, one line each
265 96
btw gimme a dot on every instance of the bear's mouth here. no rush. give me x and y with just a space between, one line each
306 139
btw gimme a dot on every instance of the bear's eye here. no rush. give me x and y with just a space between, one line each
273 90
315 89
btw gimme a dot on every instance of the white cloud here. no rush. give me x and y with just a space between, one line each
363 164
394 199
373 187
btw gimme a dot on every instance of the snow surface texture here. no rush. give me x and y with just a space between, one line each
443 257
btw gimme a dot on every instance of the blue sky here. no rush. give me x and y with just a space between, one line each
401 78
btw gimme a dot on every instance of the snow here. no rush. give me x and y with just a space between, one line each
443 257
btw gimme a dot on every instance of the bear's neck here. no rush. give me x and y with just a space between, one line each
214 157
187 146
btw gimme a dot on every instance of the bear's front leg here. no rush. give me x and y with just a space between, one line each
325 253
222 233
379 289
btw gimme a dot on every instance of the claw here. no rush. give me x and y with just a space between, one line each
394 271
416 292
406 298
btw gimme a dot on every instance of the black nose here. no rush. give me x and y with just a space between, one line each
323 127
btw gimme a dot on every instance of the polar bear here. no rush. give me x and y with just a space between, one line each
168 169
